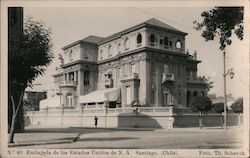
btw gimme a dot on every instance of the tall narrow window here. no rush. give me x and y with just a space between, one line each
126 44
161 41
109 51
69 100
152 38
139 38
119 48
101 54
71 76
86 77
170 43
166 41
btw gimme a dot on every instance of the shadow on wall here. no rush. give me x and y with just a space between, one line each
208 120
139 120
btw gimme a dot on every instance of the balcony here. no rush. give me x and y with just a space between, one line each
108 83
196 80
167 77
68 84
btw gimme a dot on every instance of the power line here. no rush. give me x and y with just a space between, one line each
162 18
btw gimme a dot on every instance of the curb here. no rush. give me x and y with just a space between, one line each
37 143
128 129
46 143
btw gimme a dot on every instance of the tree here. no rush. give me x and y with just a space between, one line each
219 108
201 104
27 63
221 21
209 84
237 107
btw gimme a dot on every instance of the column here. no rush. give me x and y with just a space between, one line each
75 76
68 77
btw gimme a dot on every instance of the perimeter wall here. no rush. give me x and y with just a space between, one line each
146 117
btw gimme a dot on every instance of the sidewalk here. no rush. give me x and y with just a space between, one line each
54 135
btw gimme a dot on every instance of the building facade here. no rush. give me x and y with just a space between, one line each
144 65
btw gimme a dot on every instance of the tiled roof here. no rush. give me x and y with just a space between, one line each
161 24
92 39
151 22
89 39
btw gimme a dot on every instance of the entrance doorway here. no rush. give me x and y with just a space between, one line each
167 98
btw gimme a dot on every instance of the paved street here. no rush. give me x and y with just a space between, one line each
179 138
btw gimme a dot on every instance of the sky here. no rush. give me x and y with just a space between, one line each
71 24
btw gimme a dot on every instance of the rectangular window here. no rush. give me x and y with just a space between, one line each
70 101
86 77
71 76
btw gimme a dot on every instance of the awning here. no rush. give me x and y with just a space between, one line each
110 94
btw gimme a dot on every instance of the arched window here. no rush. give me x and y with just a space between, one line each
178 44
101 54
126 44
139 38
166 41
109 50
152 38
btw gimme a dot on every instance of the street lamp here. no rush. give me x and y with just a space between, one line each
60 94
231 75
106 110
